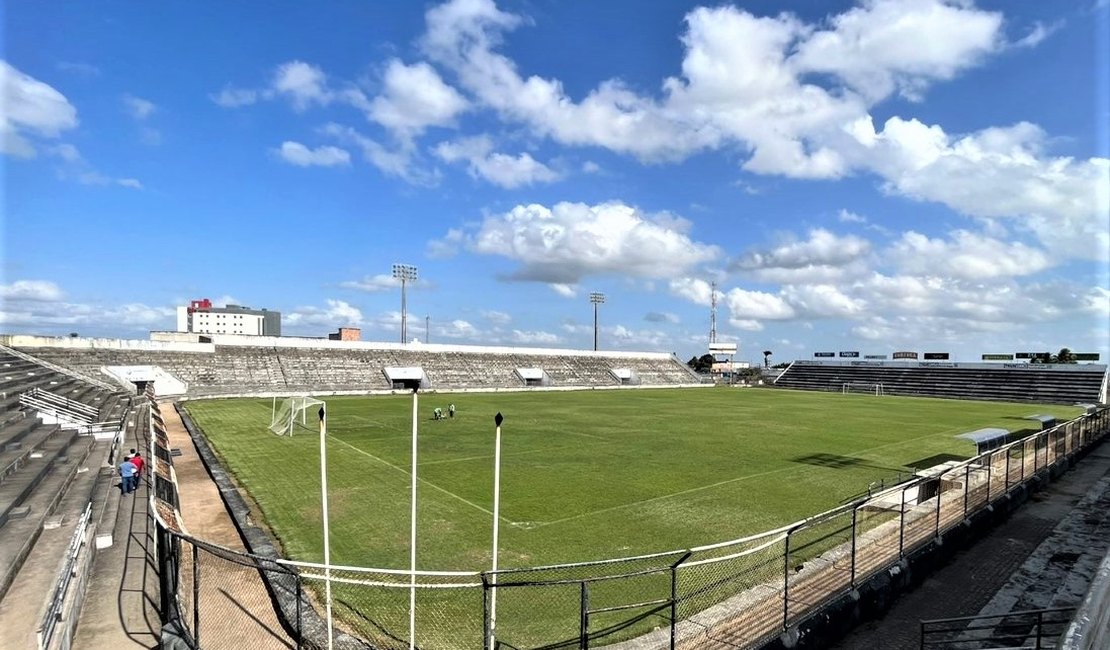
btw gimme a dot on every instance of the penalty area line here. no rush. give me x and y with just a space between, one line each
424 481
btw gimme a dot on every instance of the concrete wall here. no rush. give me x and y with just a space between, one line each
82 343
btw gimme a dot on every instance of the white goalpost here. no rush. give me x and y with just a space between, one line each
292 413
870 388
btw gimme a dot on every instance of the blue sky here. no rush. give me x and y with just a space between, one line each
874 176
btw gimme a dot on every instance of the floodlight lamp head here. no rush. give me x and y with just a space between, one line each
404 272
597 298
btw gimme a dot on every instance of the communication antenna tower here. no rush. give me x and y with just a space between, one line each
713 313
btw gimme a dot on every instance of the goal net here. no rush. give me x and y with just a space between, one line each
292 413
868 388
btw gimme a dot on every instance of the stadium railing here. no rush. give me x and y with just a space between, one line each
743 593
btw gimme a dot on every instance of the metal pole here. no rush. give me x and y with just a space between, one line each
584 619
412 528
196 594
786 580
967 486
496 515
901 522
404 314
852 578
327 538
595 327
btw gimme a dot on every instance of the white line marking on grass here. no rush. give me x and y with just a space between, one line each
781 470
490 456
424 481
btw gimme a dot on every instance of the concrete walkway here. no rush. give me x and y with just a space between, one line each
1043 556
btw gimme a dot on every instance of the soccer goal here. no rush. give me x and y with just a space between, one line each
869 388
292 413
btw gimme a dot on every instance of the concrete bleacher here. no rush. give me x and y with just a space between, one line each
265 365
1011 382
47 470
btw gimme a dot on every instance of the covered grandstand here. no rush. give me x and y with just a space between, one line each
238 365
1011 382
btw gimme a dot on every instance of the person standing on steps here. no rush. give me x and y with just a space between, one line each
139 463
128 476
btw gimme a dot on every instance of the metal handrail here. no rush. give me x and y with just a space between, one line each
1033 628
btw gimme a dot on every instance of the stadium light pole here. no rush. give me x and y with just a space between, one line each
327 541
597 299
405 273
427 327
497 420
412 533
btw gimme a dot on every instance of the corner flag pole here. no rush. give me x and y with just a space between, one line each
497 420
412 534
327 542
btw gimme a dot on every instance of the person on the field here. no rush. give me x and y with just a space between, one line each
451 410
437 413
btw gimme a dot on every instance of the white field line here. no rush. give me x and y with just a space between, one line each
781 470
424 481
503 455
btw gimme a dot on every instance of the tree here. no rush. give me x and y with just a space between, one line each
766 358
704 363
1065 355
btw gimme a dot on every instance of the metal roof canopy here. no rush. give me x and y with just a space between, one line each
986 439
1047 421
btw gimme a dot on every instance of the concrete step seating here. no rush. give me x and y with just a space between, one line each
988 384
243 370
40 464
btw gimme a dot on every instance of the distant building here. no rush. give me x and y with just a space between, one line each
346 334
201 317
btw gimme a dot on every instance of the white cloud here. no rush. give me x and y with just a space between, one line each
456 329
998 173
373 284
131 183
302 83
884 45
497 317
500 169
564 290
81 69
41 304
590 167
822 248
336 313
399 162
757 305
794 98
139 108
569 241
37 290
297 154
847 216
529 337
231 97
696 290
822 300
967 256
661 317
31 109
413 98
1038 34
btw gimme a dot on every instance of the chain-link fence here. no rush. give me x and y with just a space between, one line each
735 594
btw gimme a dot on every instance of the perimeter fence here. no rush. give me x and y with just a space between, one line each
737 594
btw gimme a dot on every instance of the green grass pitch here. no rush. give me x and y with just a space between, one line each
585 475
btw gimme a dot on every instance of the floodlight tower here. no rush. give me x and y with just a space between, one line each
596 298
713 313
405 273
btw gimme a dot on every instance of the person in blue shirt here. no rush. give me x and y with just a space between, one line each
129 475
